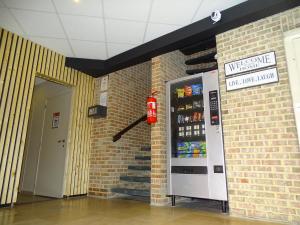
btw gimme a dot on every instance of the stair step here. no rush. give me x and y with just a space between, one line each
199 46
202 59
195 71
134 192
139 167
135 179
140 157
146 149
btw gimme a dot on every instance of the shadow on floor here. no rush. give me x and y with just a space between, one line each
181 202
26 198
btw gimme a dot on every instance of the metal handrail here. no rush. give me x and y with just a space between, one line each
129 127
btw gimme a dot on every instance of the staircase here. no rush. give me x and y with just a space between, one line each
137 181
201 56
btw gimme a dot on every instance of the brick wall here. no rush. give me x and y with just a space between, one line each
261 147
164 68
127 92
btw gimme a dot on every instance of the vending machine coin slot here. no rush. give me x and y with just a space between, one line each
218 169
214 108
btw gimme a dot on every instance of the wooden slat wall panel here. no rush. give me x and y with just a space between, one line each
20 62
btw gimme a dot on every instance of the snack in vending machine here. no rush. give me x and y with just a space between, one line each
188 90
181 108
180 92
197 116
188 133
197 89
188 106
197 104
180 119
189 149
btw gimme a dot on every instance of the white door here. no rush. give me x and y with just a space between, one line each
296 84
52 161
292 46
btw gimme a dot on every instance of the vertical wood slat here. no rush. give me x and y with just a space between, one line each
77 143
26 74
24 125
55 62
3 39
9 123
14 143
61 65
81 136
18 66
58 67
44 58
5 95
89 130
87 146
4 69
48 61
72 144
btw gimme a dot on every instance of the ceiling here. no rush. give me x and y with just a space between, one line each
101 29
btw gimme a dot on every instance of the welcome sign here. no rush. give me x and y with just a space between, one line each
251 63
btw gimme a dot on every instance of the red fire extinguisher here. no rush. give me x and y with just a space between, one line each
151 109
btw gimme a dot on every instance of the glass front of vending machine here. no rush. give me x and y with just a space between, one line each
196 166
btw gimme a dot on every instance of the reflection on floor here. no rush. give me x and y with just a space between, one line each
24 198
83 211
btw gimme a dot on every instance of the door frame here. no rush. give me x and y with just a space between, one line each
68 141
292 68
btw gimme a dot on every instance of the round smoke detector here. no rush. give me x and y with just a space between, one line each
215 16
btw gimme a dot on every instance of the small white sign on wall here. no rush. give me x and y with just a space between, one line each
104 83
103 99
251 63
252 79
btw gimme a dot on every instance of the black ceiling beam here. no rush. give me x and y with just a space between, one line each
236 16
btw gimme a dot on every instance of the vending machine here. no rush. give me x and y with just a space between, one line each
196 166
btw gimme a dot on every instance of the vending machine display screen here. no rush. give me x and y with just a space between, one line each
187 119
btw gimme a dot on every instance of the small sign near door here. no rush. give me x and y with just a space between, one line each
55 119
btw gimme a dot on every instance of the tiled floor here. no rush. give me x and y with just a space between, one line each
89 211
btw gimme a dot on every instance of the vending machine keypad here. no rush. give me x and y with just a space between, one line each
214 108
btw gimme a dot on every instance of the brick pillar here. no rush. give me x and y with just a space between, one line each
164 68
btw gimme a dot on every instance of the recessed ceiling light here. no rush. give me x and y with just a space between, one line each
76 1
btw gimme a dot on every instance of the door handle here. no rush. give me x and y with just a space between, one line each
61 141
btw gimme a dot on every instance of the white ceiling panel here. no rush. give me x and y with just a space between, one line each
39 24
125 31
88 49
101 28
177 12
8 22
83 7
115 49
208 6
157 30
129 9
91 28
40 5
59 45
